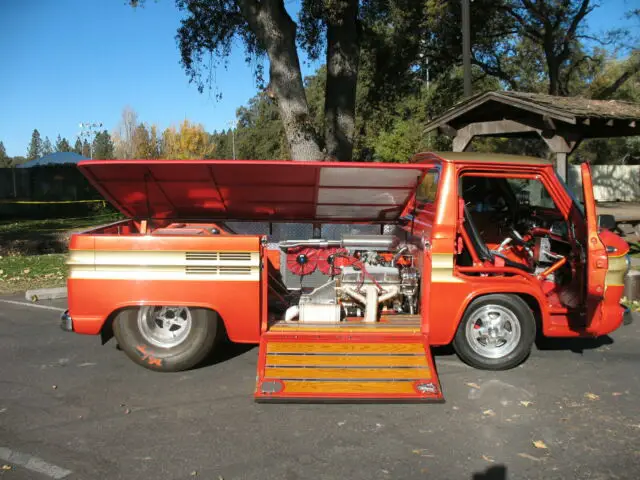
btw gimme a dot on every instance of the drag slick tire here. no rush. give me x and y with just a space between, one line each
167 338
496 332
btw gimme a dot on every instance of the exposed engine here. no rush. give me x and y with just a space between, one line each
369 275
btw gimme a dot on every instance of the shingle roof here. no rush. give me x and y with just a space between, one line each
571 110
57 158
580 106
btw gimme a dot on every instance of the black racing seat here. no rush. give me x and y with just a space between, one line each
484 253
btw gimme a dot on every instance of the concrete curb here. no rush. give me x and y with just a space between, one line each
46 293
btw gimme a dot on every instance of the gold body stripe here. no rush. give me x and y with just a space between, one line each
616 271
442 269
164 265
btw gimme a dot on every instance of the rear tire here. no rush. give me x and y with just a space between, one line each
496 332
167 338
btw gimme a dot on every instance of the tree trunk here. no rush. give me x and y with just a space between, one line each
343 56
554 74
277 34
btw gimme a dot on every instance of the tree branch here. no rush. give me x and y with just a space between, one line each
631 70
496 71
583 11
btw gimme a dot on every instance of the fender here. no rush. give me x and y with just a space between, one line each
442 333
237 303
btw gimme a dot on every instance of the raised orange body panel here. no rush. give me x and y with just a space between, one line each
222 273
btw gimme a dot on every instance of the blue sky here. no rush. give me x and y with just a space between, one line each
69 61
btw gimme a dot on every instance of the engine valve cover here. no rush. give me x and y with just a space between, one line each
382 275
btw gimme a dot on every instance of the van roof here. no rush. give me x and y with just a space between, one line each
479 157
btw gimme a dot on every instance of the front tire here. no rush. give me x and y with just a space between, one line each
167 338
496 332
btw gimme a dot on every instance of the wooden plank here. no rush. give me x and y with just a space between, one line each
325 389
353 348
347 360
349 373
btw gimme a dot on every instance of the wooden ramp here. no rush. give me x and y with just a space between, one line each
324 365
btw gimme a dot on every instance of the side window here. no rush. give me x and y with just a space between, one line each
531 192
495 194
428 189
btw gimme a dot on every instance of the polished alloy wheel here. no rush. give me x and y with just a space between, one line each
164 327
493 331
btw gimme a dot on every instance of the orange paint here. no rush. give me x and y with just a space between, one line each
147 357
215 269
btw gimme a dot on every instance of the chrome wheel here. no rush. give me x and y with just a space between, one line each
164 327
493 331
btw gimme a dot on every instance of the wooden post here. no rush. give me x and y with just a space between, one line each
561 165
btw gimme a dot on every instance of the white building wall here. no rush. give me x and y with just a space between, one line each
610 182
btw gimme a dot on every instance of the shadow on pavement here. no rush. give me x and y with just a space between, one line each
498 472
226 351
575 345
443 351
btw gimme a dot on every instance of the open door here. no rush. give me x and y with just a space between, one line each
596 256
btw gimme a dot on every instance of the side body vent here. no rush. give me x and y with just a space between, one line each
201 256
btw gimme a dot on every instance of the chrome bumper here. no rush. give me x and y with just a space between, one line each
66 322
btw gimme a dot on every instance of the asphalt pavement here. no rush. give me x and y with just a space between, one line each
71 408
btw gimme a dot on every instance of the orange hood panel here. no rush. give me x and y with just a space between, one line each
255 190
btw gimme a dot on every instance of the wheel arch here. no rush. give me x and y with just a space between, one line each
106 332
534 300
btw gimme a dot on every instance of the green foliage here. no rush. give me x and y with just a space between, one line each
260 134
207 30
223 144
19 160
5 161
47 148
21 272
102 146
35 146
399 144
62 145
78 147
142 144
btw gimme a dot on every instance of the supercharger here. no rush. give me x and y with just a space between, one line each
368 276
